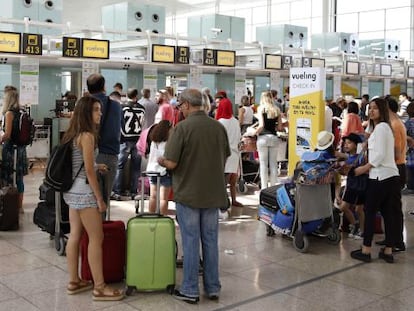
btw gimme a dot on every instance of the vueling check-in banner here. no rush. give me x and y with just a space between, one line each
306 111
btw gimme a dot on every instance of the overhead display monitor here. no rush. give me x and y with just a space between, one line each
273 61
64 106
32 44
10 42
386 70
317 62
71 47
410 72
92 48
352 68
226 58
163 53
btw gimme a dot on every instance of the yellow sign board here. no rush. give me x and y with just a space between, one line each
92 48
306 111
226 58
10 42
163 53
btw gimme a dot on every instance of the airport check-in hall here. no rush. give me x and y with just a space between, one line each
300 196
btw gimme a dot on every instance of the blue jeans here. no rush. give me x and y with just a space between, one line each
196 224
126 149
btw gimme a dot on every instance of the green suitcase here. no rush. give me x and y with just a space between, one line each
151 249
151 253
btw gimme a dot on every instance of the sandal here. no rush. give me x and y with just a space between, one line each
107 294
78 287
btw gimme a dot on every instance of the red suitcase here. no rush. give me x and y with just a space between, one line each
113 252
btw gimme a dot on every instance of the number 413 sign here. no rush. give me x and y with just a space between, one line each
32 44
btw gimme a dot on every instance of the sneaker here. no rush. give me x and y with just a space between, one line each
223 215
187 299
354 230
116 197
399 248
133 195
213 297
351 231
359 235
407 191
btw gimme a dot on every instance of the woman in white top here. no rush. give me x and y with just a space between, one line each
383 192
245 114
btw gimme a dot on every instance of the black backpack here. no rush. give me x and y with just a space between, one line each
23 130
59 175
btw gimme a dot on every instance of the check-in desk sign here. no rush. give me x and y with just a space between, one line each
31 44
85 48
170 54
13 42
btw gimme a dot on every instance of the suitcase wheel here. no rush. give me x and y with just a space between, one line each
269 231
241 186
129 290
334 237
170 289
60 245
300 241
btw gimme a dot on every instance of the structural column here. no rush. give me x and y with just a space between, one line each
329 16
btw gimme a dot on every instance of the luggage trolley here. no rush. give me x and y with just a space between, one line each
313 204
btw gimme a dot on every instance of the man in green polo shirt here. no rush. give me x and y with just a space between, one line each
196 153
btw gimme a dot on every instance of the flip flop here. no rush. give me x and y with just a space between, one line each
78 287
99 294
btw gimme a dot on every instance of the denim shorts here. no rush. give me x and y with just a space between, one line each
165 181
80 196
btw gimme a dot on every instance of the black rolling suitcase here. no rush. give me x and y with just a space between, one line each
268 198
9 210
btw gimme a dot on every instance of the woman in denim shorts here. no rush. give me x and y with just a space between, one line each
85 201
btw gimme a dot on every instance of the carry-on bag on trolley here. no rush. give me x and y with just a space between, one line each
151 249
268 197
9 210
113 248
52 216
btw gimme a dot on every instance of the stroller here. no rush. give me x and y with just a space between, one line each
249 169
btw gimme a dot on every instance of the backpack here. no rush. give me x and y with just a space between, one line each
59 175
315 167
23 129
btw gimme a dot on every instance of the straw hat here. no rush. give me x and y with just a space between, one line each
325 140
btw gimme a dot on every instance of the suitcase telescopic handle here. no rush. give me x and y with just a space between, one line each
158 176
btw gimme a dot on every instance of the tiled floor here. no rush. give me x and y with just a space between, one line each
263 273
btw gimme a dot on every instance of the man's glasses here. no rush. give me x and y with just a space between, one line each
180 104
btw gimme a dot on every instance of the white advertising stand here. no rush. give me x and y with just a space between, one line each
306 111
